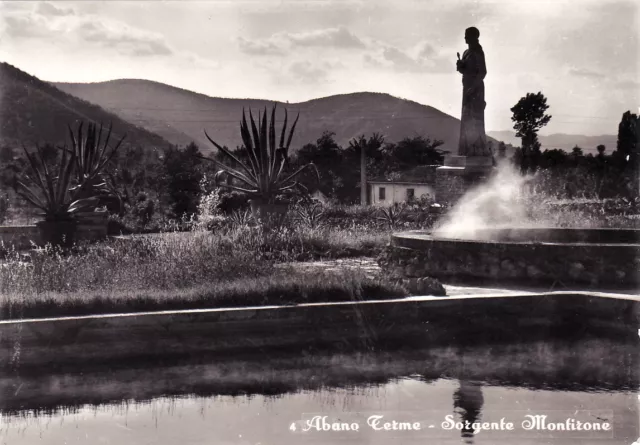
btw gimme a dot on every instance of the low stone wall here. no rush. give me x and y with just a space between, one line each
19 237
413 255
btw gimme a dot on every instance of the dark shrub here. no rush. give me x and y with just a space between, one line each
233 201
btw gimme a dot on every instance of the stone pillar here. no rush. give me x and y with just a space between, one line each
458 174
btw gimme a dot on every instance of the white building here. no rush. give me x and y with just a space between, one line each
385 193
403 186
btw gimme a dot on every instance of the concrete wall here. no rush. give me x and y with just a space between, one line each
397 192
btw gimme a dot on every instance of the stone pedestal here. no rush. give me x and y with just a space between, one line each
458 174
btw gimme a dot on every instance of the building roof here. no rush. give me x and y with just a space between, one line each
399 182
422 174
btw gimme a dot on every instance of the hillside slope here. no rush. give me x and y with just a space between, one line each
181 115
33 111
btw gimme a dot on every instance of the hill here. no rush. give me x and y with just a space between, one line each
33 111
180 115
562 141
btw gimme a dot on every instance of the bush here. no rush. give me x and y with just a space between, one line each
142 210
233 201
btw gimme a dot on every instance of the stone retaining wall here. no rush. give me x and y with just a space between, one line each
535 263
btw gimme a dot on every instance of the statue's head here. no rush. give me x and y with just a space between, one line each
471 35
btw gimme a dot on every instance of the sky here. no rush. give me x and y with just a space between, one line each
583 55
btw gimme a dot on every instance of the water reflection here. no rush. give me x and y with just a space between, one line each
267 419
256 399
467 403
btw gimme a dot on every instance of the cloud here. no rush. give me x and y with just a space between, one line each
421 59
330 37
47 21
400 61
21 25
282 43
124 39
49 9
628 84
306 72
258 48
583 72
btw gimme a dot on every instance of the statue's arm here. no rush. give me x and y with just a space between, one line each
461 64
473 65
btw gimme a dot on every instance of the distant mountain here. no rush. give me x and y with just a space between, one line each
180 115
33 111
563 141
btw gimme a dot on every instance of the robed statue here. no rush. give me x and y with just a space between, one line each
473 140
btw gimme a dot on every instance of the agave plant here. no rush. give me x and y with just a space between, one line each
51 191
240 218
263 177
311 215
392 215
91 155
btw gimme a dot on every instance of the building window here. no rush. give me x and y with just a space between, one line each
382 193
410 194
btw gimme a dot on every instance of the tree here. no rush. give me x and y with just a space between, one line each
418 150
182 176
627 155
577 152
328 158
529 117
627 146
553 158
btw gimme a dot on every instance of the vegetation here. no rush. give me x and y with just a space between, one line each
339 167
181 178
91 155
264 177
51 191
529 117
179 271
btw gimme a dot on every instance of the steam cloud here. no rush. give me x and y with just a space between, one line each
498 203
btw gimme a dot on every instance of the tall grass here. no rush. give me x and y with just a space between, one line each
177 271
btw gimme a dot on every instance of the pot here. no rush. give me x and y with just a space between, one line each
57 233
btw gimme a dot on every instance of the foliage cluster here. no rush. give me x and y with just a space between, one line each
182 270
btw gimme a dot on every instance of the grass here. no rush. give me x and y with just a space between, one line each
281 288
182 271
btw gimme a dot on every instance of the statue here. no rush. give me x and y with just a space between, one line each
473 140
467 403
